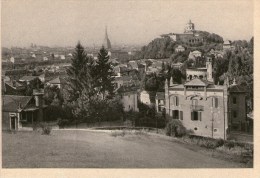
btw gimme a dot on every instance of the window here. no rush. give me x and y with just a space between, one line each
234 100
175 101
194 102
215 102
234 114
175 114
181 115
195 116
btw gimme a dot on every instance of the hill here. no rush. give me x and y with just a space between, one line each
164 47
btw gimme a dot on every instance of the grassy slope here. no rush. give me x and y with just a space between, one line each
84 149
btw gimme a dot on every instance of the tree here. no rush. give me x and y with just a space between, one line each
34 84
104 78
79 77
163 67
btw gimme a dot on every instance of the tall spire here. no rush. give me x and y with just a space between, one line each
106 43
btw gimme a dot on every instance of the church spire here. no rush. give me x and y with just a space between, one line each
106 43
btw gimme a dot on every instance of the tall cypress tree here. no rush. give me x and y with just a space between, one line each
104 75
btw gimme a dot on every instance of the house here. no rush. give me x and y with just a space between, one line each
216 53
16 74
133 65
227 45
129 98
200 105
237 108
62 57
22 111
145 97
126 81
13 88
159 101
204 73
45 58
204 108
194 54
180 48
177 65
28 79
59 82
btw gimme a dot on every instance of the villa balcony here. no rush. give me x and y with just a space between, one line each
197 108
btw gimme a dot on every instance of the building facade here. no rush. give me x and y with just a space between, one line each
200 105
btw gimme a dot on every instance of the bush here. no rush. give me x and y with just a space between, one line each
220 142
204 142
229 144
46 130
62 122
176 129
118 133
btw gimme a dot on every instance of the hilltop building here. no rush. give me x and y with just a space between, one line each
190 36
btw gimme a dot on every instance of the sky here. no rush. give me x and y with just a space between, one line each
65 22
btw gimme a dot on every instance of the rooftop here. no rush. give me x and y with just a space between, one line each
11 102
28 78
58 80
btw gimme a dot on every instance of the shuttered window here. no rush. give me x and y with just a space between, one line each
215 102
175 101
195 116
199 116
181 115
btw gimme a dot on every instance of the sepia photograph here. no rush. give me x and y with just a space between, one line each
127 84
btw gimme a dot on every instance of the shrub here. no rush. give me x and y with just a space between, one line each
229 144
176 129
118 133
220 142
46 130
62 123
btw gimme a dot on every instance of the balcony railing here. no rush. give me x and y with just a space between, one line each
197 107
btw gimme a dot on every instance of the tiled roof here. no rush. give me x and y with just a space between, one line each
16 72
11 102
28 78
237 88
196 82
58 80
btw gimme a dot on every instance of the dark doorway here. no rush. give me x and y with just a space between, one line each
13 123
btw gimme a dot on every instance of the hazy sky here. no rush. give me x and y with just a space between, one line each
64 22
